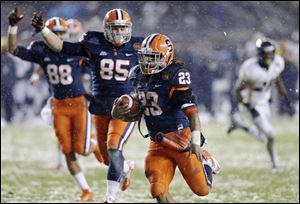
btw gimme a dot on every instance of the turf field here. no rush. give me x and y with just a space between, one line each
28 174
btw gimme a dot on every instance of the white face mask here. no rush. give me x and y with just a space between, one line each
117 34
151 63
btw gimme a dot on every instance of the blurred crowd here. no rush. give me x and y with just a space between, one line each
213 38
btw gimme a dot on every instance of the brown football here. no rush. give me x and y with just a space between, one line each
132 102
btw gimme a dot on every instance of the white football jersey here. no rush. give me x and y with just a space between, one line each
262 79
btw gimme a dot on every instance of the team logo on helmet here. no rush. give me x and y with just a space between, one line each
156 53
56 24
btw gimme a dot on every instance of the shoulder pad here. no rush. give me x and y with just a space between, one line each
92 37
180 76
136 42
36 45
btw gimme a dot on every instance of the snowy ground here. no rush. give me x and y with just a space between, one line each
28 159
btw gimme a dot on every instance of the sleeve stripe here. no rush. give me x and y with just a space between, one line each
189 111
173 88
187 105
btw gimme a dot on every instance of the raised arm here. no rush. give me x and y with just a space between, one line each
52 40
14 18
24 53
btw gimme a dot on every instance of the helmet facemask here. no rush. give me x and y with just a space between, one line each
267 59
151 62
266 52
118 33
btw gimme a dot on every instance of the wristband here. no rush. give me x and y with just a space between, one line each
196 137
35 77
12 30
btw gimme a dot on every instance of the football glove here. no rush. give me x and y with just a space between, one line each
14 17
38 21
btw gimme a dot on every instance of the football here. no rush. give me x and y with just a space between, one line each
132 102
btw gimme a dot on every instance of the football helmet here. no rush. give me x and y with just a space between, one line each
74 26
156 53
117 27
265 51
74 29
56 24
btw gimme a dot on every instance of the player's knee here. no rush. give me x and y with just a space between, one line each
79 150
202 187
202 190
66 150
157 189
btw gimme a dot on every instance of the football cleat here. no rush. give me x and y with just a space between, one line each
232 127
277 169
235 125
109 199
85 196
125 180
211 161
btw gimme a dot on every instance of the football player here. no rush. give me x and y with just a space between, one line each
113 53
172 119
74 29
73 33
71 120
253 92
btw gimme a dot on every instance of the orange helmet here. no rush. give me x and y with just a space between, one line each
117 18
74 26
156 53
57 24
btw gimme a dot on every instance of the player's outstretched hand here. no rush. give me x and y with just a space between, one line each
15 16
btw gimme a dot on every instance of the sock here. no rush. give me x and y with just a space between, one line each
61 159
80 179
112 189
126 166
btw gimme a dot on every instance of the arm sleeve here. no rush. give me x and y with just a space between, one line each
74 49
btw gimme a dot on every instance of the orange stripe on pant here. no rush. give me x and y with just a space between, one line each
160 167
70 123
111 134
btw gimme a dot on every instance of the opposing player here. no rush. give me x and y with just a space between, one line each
253 92
172 119
113 53
71 119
